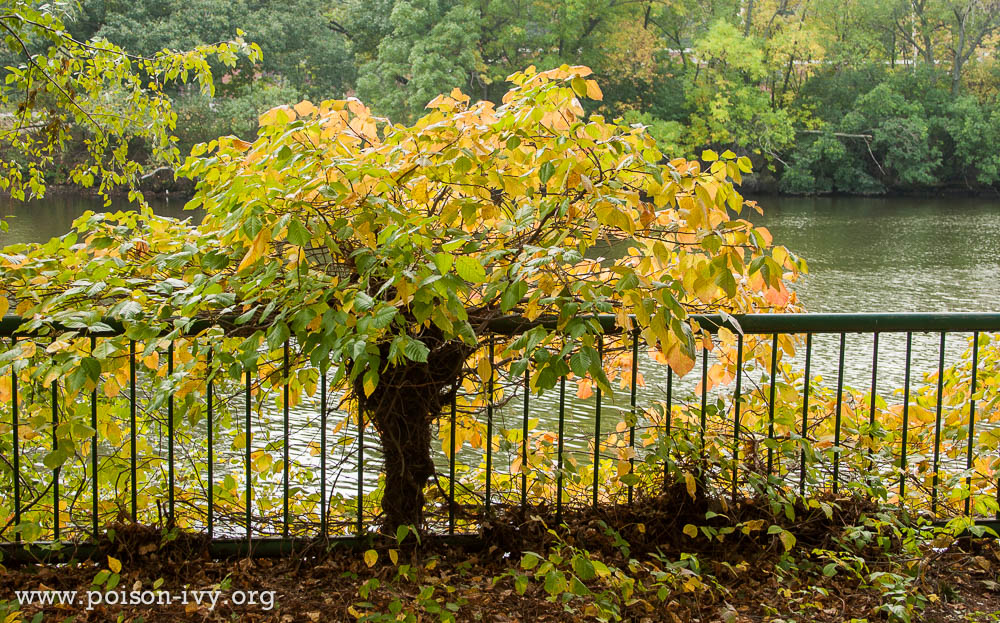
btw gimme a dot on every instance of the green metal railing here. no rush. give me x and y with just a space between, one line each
691 423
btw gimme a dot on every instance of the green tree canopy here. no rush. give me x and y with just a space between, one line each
57 84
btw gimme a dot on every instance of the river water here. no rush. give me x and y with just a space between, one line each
864 255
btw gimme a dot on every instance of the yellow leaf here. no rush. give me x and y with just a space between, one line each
256 249
152 361
277 115
787 539
111 387
305 108
689 482
594 91
369 383
114 564
394 556
484 369
371 557
4 305
691 530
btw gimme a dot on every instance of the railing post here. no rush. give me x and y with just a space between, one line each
770 404
93 451
211 450
632 406
284 443
247 451
903 467
972 420
597 425
805 416
937 427
737 397
16 443
489 431
170 438
840 402
133 461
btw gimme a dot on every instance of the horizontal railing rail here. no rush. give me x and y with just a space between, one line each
915 322
755 411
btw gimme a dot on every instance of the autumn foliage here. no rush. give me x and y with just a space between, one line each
383 252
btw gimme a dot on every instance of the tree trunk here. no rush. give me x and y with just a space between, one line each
404 405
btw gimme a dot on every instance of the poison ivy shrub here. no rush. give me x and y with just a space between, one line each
201 118
382 254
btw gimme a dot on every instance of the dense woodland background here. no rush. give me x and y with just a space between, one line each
846 96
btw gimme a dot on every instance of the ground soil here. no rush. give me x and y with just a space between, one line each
327 584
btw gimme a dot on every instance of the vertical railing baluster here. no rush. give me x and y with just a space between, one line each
16 443
55 472
972 420
871 411
361 473
93 449
836 425
559 448
770 405
524 440
211 450
903 468
597 425
248 493
805 416
632 407
937 426
133 449
668 440
736 416
285 444
489 431
451 464
704 405
322 453
170 437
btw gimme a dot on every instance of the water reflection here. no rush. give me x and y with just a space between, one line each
53 216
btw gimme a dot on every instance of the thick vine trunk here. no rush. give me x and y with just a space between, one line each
402 408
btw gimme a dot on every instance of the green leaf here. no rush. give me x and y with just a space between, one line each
521 583
545 171
55 458
443 261
383 317
415 350
470 269
583 568
513 295
298 234
401 533
277 335
530 560
579 363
